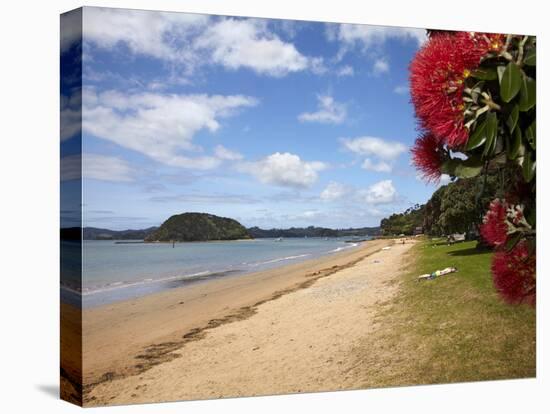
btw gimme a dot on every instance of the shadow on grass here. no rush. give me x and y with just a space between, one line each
472 251
446 243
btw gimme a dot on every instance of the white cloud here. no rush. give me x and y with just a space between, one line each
206 199
308 214
377 194
334 191
71 115
373 146
284 169
248 43
345 71
157 125
226 154
329 111
97 167
382 192
380 66
106 168
401 89
148 33
381 166
191 40
71 167
366 37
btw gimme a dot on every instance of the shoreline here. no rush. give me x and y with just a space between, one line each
115 334
184 241
118 291
353 282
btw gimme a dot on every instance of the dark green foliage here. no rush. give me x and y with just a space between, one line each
198 227
432 212
459 206
501 113
312 231
403 223
454 208
93 233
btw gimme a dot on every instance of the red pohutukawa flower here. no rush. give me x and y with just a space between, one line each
437 79
477 45
494 228
428 155
514 274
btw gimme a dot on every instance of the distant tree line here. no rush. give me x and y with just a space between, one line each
195 227
312 231
457 207
403 223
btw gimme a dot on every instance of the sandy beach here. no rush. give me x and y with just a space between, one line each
284 330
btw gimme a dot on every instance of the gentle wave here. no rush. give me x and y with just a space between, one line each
117 285
339 249
280 259
189 277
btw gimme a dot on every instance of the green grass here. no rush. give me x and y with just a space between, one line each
451 329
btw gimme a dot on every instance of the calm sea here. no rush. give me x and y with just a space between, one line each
114 272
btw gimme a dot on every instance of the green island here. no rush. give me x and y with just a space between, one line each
198 227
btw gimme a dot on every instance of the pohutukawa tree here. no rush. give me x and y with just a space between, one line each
474 95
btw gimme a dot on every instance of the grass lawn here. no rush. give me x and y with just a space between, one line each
451 329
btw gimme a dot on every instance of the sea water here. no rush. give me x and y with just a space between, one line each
114 271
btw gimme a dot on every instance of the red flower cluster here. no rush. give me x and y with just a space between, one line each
494 229
514 274
514 270
437 81
428 155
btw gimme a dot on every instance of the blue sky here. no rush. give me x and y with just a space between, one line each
274 123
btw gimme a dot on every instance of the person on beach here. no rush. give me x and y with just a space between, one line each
437 273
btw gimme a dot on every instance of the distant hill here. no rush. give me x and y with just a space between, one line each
360 231
198 227
94 233
312 231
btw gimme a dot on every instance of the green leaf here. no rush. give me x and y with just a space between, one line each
530 57
527 93
529 166
490 133
514 144
500 159
512 241
513 118
531 134
469 168
500 72
510 83
476 90
485 73
478 137
449 166
479 85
